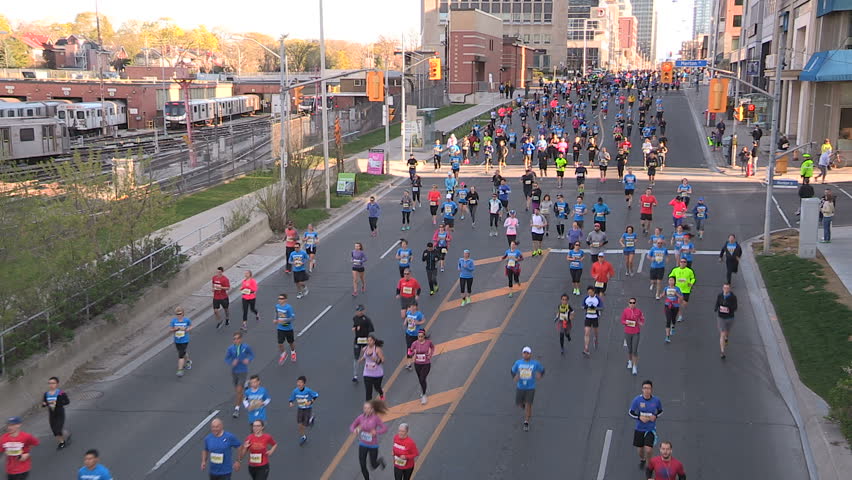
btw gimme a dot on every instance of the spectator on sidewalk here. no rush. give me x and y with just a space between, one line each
806 190
721 127
744 157
807 170
783 143
755 150
827 206
826 147
824 162
757 133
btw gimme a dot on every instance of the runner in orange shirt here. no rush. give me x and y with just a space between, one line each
602 272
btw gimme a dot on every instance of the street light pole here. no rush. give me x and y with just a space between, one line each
324 87
284 112
776 112
402 82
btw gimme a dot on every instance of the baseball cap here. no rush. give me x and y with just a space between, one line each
526 350
700 199
359 308
14 421
511 212
602 254
466 250
449 195
597 224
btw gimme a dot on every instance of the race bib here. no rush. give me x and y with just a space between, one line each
525 373
217 458
434 204
443 250
310 240
403 260
630 323
297 262
575 264
255 458
511 263
629 243
15 451
180 333
599 284
527 182
681 280
420 357
563 316
302 402
406 205
356 262
415 189
473 201
646 204
448 209
591 310
399 461
407 290
246 291
361 340
596 244
724 309
366 437
658 257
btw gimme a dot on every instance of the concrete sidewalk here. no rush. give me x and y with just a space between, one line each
837 254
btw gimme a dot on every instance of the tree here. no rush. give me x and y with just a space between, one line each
86 23
302 55
5 26
13 52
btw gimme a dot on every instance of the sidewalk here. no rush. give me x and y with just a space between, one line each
837 253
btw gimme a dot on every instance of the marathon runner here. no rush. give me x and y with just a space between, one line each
221 285
303 398
374 211
92 469
406 206
407 291
629 187
645 408
665 466
284 316
16 445
580 211
311 239
431 257
575 258
628 244
291 235
673 299
218 446
434 196
259 446
513 259
646 212
700 213
564 321
412 322
403 256
55 400
358 259
596 241
367 427
685 279
525 372
362 327
657 255
423 350
255 400
238 356
592 305
725 308
466 268
299 261
180 326
633 320
404 453
373 357
731 253
248 289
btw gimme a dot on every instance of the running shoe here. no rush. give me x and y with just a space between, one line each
236 413
282 358
510 294
311 421
442 269
188 365
668 339
305 292
526 426
299 295
180 373
355 379
635 370
431 292
423 399
293 356
462 302
218 325
382 463
629 364
679 318
723 356
227 322
302 440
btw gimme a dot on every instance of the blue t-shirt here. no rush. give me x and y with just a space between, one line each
449 208
239 353
678 239
100 472
503 192
311 239
561 209
658 257
455 162
219 450
671 294
579 211
601 211
630 182
450 183
512 258
404 256
686 251
462 194
181 336
298 260
629 241
526 371
700 211
529 148
442 239
303 398
642 407
466 268
285 312
259 394
576 261
411 322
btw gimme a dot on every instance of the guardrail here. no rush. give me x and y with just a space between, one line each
44 335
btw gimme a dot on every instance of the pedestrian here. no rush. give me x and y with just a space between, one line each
411 323
546 208
513 258
291 235
255 400
525 372
628 245
538 224
299 261
684 279
684 191
55 400
700 213
422 349
726 307
645 408
221 285
406 206
442 238
731 252
466 268
238 357
665 466
633 320
807 169
575 259
434 196
180 327
303 398
495 211
248 289
473 201
407 291
373 357
678 211
564 321
367 427
826 208
359 259
602 273
744 157
416 187
431 257
374 210
16 445
404 453
284 317
757 133
592 304
362 327
217 453
259 446
600 210
511 224
596 241
92 469
311 240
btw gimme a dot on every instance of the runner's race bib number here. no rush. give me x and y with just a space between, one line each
255 458
246 291
399 461
434 204
217 458
646 204
630 323
724 309
511 263
599 284
180 333
366 437
525 373
629 243
407 290
420 357
596 244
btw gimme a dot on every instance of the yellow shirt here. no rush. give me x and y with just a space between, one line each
826 147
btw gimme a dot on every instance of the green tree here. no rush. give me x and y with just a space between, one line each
86 23
13 52
5 26
302 55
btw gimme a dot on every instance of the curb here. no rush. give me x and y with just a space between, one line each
699 130
797 396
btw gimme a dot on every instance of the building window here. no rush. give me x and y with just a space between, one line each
27 134
738 21
738 2
491 45
545 39
735 43
536 39
527 38
358 82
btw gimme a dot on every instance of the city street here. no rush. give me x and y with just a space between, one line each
726 419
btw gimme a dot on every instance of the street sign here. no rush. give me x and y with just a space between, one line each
690 63
785 183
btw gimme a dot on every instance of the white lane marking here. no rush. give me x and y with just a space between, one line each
605 455
641 263
642 251
389 250
774 200
315 320
183 441
842 190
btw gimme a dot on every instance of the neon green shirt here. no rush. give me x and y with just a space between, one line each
560 164
684 278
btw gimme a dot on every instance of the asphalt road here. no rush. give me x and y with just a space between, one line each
725 418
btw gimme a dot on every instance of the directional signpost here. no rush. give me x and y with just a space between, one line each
690 63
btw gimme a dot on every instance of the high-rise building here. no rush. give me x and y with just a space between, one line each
701 18
643 10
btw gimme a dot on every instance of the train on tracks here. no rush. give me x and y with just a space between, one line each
85 118
210 111
32 138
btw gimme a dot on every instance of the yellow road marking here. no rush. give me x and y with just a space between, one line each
478 297
466 341
414 406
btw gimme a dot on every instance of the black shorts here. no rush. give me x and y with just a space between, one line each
357 269
221 303
433 210
646 216
643 439
239 379
603 167
685 296
181 349
450 222
576 274
285 336
527 193
409 340
657 273
303 416
629 192
599 290
311 250
405 302
591 322
652 171
537 237
581 180
301 276
560 173
524 397
17 476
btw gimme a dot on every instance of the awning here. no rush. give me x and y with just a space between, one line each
828 66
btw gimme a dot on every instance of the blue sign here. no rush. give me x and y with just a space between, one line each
690 63
785 183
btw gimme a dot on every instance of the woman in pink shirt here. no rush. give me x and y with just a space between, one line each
422 349
248 288
678 211
511 225
633 319
368 426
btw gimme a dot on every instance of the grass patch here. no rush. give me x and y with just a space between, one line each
204 200
817 328
377 137
316 211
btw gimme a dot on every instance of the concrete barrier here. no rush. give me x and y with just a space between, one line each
124 321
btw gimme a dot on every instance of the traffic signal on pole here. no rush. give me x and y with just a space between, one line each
739 113
750 109
297 95
376 86
391 114
717 100
667 72
435 68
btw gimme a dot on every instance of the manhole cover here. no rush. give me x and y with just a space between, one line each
90 395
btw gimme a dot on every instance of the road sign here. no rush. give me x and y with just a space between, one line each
690 63
785 183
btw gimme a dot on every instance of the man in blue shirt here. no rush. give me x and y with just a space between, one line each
657 255
299 262
449 209
218 451
284 316
180 327
255 400
525 372
466 269
503 192
645 408
601 211
303 397
92 470
579 212
239 357
700 213
629 187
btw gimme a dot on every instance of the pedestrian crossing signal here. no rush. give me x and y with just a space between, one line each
435 68
375 86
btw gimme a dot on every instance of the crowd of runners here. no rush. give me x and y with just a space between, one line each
558 123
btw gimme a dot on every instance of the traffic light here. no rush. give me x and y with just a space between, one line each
667 72
376 86
435 68
297 96
391 114
717 100
751 111
739 113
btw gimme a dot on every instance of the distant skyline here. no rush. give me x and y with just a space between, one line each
353 20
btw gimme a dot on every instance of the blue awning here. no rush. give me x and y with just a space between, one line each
824 7
828 66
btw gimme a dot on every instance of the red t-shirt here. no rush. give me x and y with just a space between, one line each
648 200
14 447
602 271
664 470
404 446
434 196
221 281
258 448
408 288
290 237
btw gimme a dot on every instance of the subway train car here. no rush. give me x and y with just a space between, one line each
86 117
32 138
208 111
29 109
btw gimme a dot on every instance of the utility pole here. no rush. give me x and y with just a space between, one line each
783 23
717 8
734 129
100 68
324 87
285 123
387 119
402 107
